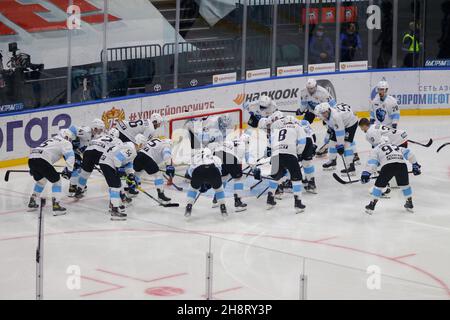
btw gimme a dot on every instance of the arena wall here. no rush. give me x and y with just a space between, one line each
420 92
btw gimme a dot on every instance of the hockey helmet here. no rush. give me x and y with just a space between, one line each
277 115
290 120
98 124
265 101
67 134
156 120
140 139
311 85
322 108
383 85
264 124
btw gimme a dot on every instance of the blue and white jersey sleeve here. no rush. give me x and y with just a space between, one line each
373 161
408 155
123 157
68 154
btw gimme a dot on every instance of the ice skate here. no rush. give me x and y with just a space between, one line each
299 207
163 197
370 208
117 214
188 211
409 205
270 201
223 210
330 165
239 206
32 204
351 170
58 210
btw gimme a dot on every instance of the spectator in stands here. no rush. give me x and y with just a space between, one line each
350 43
385 40
411 46
444 40
321 47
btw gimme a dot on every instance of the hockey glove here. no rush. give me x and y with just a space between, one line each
170 171
257 174
394 126
416 169
268 152
66 174
340 149
372 122
299 112
365 177
131 180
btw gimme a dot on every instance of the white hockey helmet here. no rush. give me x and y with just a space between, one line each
140 139
290 120
277 115
129 145
322 108
98 124
383 85
113 132
263 124
265 101
374 137
67 134
245 138
311 85
156 119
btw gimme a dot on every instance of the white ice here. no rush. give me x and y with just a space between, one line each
257 254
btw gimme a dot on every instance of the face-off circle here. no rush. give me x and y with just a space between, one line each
164 291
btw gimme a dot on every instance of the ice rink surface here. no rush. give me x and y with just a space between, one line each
257 254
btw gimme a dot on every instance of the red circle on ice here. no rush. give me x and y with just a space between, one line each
164 291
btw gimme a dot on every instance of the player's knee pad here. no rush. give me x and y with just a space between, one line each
407 191
114 196
39 186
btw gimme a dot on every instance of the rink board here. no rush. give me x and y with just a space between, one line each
420 92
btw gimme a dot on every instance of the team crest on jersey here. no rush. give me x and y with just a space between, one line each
381 114
110 117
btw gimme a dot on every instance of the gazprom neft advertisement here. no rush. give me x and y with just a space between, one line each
424 89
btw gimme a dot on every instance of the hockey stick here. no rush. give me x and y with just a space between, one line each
264 191
172 183
345 167
421 144
257 184
443 146
341 181
7 174
165 205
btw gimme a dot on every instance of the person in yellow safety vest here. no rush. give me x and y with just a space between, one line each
411 46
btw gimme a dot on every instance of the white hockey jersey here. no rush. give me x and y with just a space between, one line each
396 136
158 150
120 156
202 158
257 110
131 129
237 148
84 135
309 101
341 118
103 143
386 153
307 127
53 149
287 138
386 112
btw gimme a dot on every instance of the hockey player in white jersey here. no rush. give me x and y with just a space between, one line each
288 140
154 153
263 108
384 108
232 153
83 136
311 97
307 156
342 123
91 158
41 162
396 136
119 156
391 160
205 173
130 129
